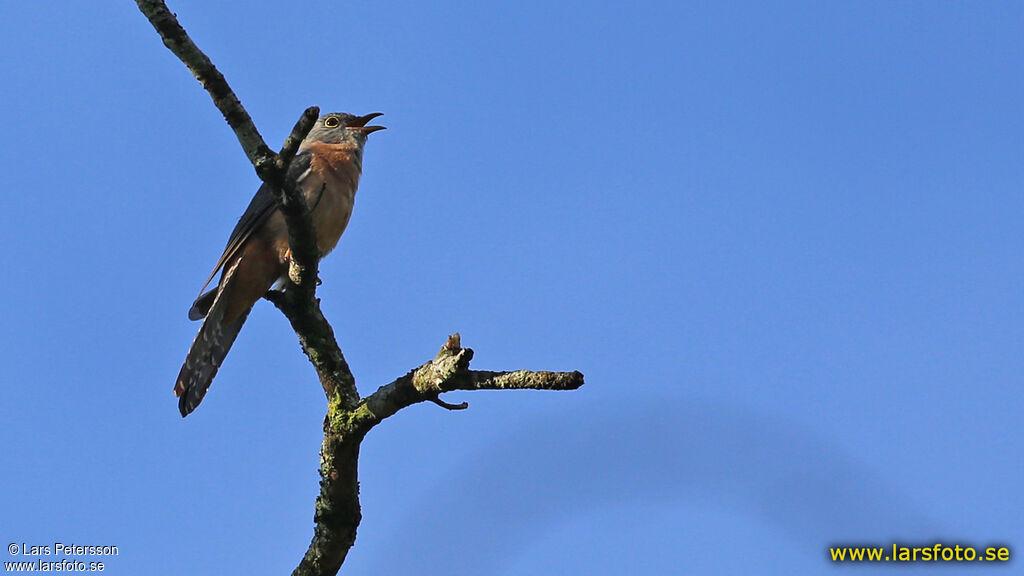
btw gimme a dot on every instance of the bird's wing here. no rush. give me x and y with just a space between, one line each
260 208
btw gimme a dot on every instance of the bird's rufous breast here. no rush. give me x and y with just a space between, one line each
331 189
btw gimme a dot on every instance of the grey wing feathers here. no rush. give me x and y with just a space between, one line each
260 208
201 307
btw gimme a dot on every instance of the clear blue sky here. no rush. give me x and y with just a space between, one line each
783 242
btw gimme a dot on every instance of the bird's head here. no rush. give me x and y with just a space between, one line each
340 128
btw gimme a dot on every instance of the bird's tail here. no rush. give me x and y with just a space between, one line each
209 348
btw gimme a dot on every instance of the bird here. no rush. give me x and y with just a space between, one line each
326 168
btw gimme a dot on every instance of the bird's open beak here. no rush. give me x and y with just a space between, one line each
360 123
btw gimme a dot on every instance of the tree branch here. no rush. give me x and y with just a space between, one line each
336 516
319 344
349 417
450 371
178 42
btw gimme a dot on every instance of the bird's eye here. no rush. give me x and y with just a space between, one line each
332 122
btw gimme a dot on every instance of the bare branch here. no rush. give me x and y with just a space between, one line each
318 342
450 371
179 42
524 380
299 131
337 513
447 406
336 517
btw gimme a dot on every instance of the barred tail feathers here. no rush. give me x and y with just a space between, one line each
208 349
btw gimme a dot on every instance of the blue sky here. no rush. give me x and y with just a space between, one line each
782 241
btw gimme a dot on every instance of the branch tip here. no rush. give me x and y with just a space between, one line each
454 342
302 127
447 406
